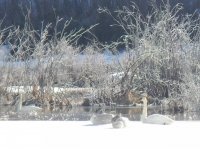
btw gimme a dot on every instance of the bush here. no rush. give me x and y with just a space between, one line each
162 52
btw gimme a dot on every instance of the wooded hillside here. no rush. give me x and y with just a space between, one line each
83 12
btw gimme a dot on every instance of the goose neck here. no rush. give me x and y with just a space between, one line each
19 105
144 111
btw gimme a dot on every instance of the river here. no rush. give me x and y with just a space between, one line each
84 113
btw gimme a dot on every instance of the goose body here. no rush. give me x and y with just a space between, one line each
28 108
119 122
101 118
98 119
155 118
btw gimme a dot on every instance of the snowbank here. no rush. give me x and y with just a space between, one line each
25 89
83 135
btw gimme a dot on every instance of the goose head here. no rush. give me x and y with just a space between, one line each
116 118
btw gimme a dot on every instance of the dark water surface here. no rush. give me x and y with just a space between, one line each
84 113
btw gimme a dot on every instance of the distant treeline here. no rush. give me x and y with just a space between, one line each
83 12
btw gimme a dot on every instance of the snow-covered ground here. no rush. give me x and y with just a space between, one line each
83 135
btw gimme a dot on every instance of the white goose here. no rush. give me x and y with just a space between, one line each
155 118
100 118
26 109
119 122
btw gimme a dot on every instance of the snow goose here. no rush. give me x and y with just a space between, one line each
155 118
26 109
119 122
101 118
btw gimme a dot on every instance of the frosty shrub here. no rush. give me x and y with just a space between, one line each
162 51
161 57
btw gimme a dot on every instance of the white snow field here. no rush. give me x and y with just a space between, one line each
84 135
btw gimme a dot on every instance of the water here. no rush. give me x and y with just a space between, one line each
84 113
